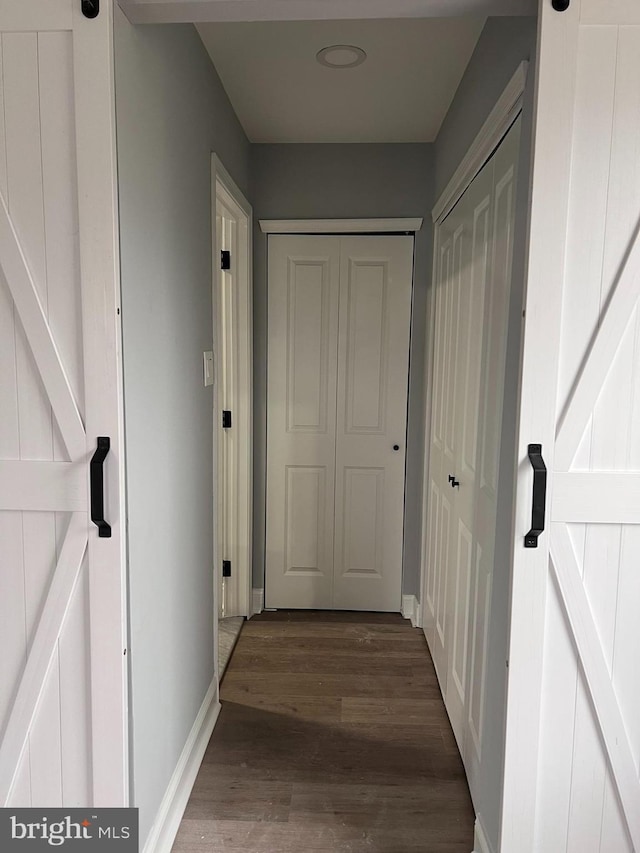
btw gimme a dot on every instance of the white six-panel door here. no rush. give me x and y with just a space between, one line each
63 715
339 313
573 724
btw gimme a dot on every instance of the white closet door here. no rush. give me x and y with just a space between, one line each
487 455
304 292
62 607
336 409
573 714
471 286
441 456
373 362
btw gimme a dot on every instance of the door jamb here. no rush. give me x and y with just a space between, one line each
240 496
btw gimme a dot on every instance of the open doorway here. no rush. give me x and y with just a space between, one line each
345 172
301 181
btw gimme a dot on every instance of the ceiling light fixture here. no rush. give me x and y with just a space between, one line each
341 56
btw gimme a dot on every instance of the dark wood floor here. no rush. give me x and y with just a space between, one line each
332 737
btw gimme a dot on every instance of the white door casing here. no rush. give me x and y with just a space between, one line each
63 695
573 711
339 311
232 305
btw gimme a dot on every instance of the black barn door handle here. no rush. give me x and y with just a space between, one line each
96 472
539 495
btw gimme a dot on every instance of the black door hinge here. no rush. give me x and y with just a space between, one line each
90 8
226 568
225 260
226 419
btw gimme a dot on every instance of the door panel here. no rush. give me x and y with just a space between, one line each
304 281
573 755
489 432
471 221
305 500
373 363
62 627
439 530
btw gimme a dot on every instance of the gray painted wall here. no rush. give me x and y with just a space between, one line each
172 112
503 44
333 181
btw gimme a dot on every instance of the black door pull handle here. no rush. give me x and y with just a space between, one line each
454 483
539 495
96 477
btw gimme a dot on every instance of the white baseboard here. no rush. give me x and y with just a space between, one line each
411 610
480 843
167 822
257 601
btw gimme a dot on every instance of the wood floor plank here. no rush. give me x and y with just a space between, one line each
332 737
373 709
326 685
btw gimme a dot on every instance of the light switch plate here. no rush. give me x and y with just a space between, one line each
208 368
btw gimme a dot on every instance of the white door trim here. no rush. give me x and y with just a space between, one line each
496 125
340 226
239 491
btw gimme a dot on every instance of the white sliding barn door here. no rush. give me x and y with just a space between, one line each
339 316
573 715
62 616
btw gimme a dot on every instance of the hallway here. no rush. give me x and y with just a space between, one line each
332 737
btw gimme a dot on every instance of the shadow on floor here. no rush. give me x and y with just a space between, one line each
332 737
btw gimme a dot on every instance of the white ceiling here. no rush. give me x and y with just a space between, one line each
190 11
400 94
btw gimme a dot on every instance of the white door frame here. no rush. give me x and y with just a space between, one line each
381 225
507 107
233 390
